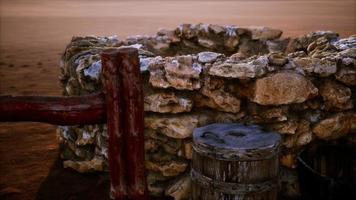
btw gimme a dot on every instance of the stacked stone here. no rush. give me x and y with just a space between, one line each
195 75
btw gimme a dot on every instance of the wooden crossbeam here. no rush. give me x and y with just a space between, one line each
89 109
121 106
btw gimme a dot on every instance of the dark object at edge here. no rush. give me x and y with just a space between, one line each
328 172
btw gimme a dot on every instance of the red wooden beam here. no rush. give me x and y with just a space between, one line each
123 91
76 110
121 106
132 93
111 61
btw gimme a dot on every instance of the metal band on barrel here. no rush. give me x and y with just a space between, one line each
233 155
232 188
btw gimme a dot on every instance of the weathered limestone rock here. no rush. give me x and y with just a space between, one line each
172 168
207 43
157 72
210 74
160 157
300 136
304 138
237 57
274 114
335 96
283 88
347 76
231 43
169 35
252 47
85 166
232 38
167 102
263 114
180 188
91 71
264 33
187 148
224 117
313 116
277 59
321 67
72 87
347 57
180 126
156 189
288 127
304 133
216 29
302 43
277 45
187 31
297 54
242 70
151 145
101 141
159 45
208 57
214 96
345 43
180 72
69 151
144 63
156 183
171 146
166 147
348 53
321 47
85 136
336 126
69 148
231 104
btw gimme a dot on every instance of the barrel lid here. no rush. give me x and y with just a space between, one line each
233 141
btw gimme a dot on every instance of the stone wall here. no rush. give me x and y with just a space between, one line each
195 75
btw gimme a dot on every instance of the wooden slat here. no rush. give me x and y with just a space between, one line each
132 93
111 61
89 109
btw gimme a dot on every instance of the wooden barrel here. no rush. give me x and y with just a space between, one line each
234 161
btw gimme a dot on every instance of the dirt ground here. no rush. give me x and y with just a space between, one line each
33 34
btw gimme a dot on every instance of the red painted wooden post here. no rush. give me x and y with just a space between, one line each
122 78
112 85
76 110
123 103
132 92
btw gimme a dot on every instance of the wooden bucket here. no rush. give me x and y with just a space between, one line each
234 161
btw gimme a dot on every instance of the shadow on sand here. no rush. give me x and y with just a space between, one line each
66 184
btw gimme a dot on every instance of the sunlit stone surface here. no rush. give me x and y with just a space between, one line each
200 74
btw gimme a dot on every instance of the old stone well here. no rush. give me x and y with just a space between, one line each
194 75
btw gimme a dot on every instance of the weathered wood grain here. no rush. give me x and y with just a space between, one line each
89 109
132 94
115 118
234 161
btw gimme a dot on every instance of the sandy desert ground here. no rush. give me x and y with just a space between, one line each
33 34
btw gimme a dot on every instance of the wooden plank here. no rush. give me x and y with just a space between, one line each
89 109
132 93
111 60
